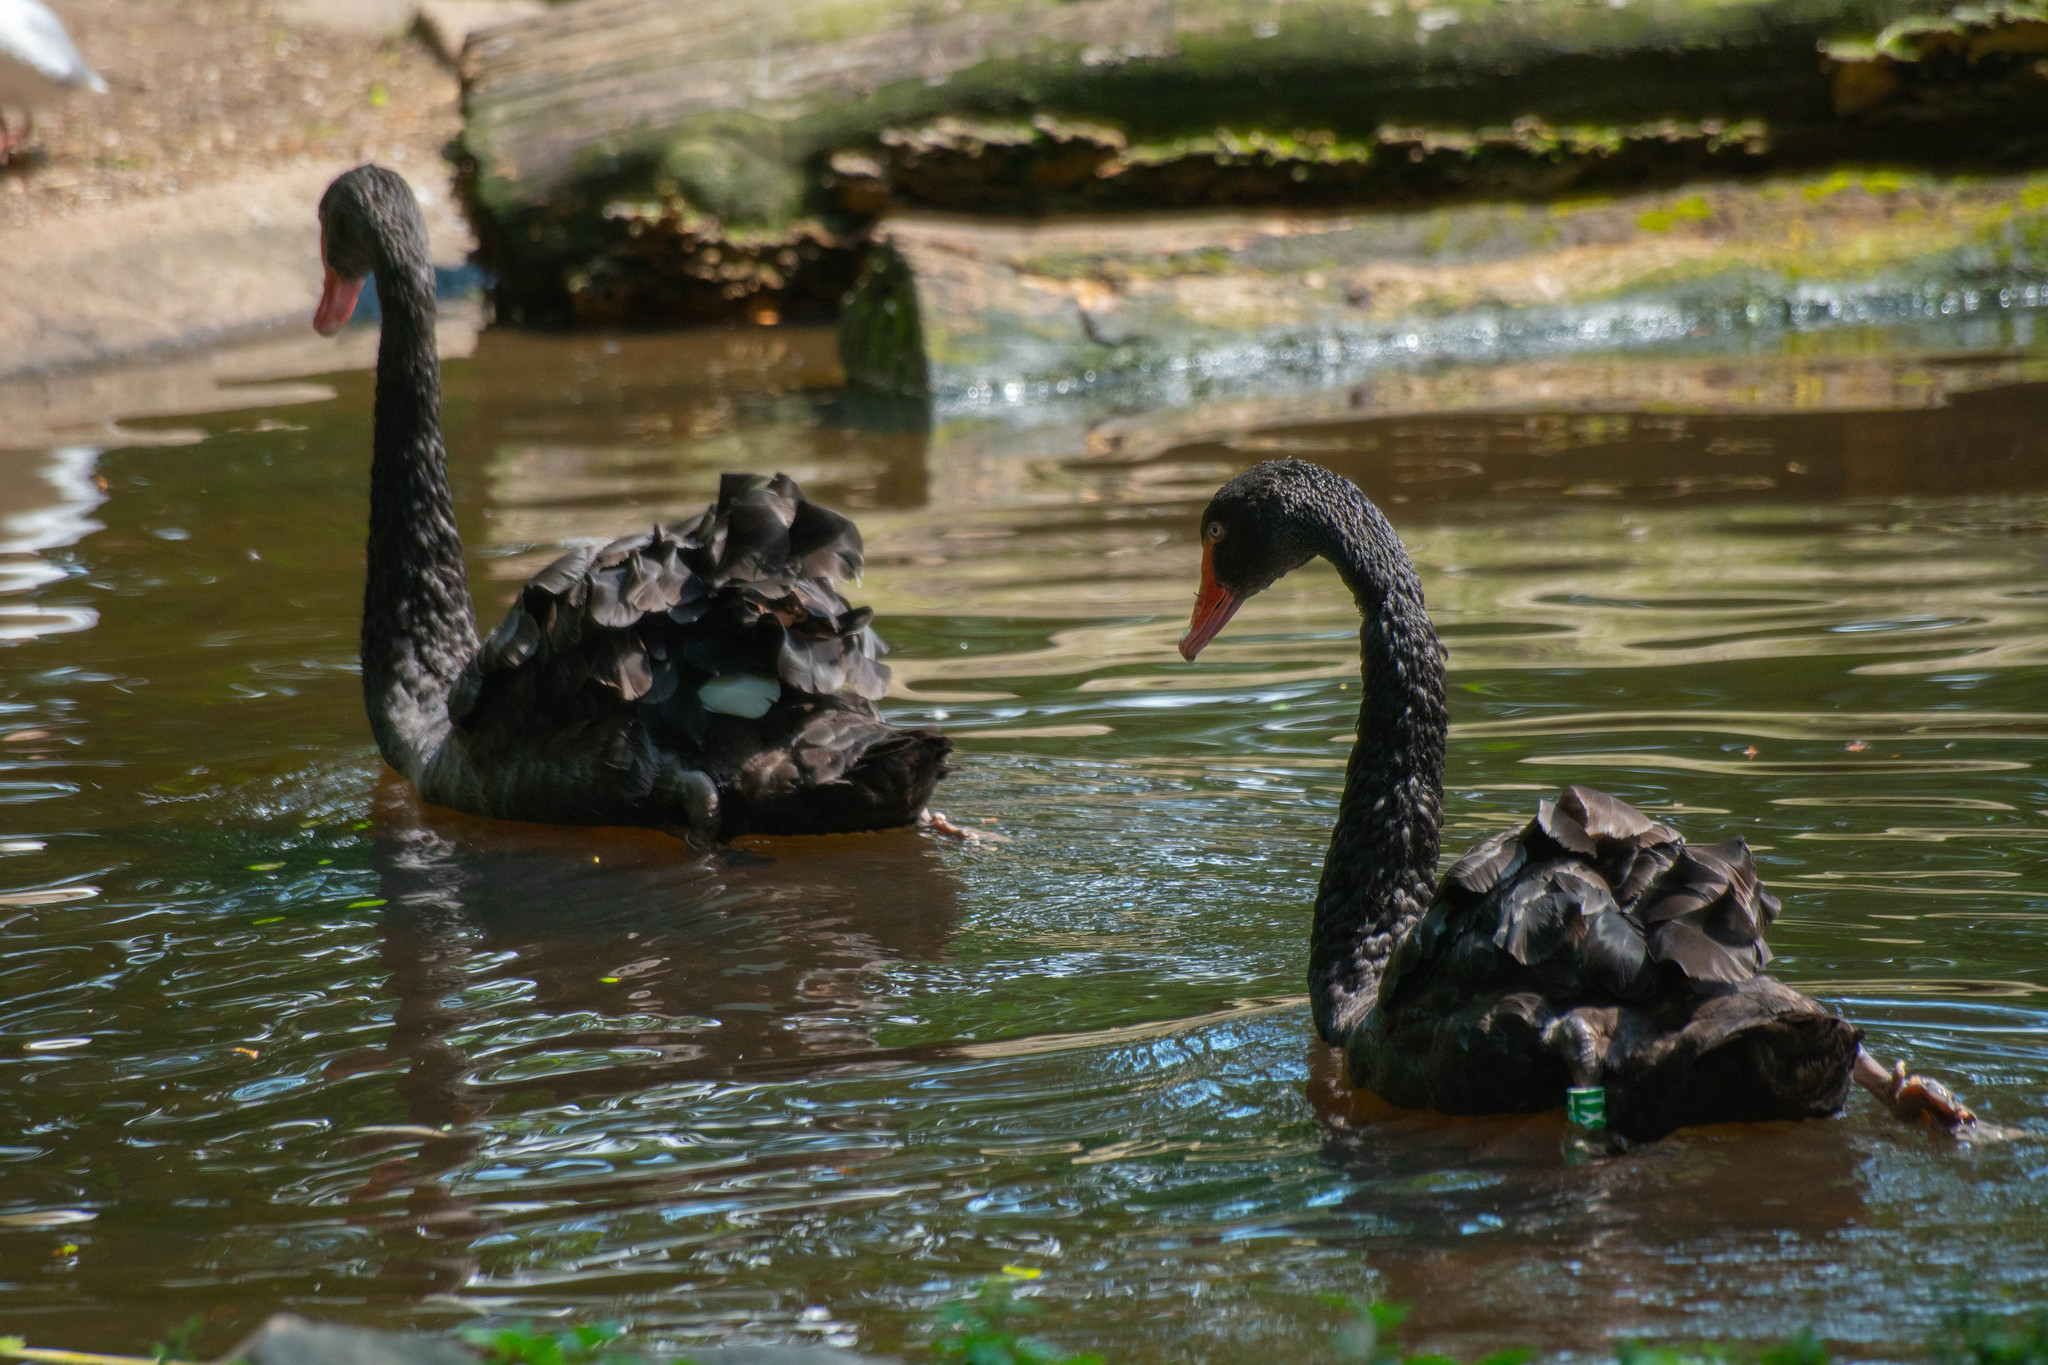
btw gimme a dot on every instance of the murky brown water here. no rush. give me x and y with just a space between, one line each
275 1036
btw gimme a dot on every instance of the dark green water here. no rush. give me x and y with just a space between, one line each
272 1035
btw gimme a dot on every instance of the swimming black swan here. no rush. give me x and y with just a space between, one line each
1593 948
701 676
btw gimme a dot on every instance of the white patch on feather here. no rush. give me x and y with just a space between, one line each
747 695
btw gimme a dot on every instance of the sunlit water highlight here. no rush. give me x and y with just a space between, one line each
275 1036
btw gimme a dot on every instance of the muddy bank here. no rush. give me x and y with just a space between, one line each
179 207
212 263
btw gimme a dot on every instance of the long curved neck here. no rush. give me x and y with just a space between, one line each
418 626
1381 866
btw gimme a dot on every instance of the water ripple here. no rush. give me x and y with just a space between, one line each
290 1037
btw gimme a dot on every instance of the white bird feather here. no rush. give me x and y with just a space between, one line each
746 695
39 64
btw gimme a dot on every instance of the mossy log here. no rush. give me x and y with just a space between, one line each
1004 316
644 160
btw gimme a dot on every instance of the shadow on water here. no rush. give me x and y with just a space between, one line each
1457 1194
1981 442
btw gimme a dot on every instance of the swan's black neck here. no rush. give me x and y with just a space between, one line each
1381 866
418 626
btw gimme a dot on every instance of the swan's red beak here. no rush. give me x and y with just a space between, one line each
337 303
337 296
1214 606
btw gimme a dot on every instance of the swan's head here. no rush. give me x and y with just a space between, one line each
362 209
1257 529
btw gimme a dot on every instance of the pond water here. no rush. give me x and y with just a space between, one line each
276 1036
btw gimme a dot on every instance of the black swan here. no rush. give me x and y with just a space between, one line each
703 676
1592 950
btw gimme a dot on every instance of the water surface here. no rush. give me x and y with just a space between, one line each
274 1035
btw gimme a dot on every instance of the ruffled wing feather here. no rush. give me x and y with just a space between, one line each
1592 899
723 615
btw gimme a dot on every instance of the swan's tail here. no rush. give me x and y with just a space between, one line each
1749 1053
842 771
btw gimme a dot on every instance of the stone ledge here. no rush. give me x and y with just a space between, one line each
288 1339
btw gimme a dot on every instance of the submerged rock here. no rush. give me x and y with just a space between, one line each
288 1339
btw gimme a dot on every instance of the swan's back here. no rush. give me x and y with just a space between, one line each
1591 899
1650 949
715 646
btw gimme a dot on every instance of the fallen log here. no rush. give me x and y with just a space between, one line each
987 316
641 160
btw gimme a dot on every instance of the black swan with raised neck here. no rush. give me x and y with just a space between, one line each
704 676
1593 948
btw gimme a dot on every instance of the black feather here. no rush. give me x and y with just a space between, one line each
465 694
615 554
865 678
825 544
1535 917
622 665
607 606
1593 898
1642 867
513 642
1486 865
1616 955
564 576
743 590
756 542
1557 832
818 599
654 579
1604 817
733 487
1687 947
812 663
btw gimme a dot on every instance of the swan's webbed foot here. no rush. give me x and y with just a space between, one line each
1913 1099
937 823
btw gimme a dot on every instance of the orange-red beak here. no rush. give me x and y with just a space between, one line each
337 303
1214 606
337 296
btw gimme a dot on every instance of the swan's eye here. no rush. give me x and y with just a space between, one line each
1213 532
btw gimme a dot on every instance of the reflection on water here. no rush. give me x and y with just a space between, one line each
44 505
683 973
275 1035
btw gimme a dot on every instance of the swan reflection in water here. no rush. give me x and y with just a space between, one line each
581 965
1463 1215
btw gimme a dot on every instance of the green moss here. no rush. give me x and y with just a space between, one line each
1689 210
1870 182
733 169
881 336
1527 100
